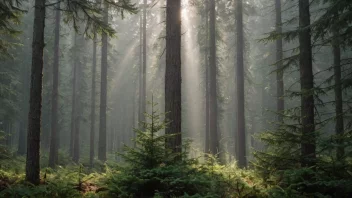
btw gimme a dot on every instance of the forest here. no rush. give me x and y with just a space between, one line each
175 98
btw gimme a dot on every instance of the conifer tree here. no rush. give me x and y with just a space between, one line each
92 106
213 106
173 74
103 88
241 127
34 116
307 86
54 147
35 103
279 65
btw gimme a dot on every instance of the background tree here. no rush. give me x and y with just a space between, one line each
213 110
279 57
103 89
307 85
54 147
241 127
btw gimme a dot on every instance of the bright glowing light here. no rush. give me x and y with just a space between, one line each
193 93
184 10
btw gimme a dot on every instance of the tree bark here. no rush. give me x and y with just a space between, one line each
140 108
74 95
53 155
173 74
241 127
35 102
339 127
76 136
307 86
213 106
92 107
279 65
21 139
103 89
144 93
207 100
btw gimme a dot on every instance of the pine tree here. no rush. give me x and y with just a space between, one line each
34 115
307 86
207 91
241 127
103 88
279 65
173 73
54 147
74 95
339 126
34 129
213 106
92 106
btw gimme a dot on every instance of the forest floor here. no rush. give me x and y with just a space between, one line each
80 181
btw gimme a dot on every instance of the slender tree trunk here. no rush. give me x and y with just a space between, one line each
21 139
35 102
279 57
207 97
53 156
74 95
307 86
92 107
253 130
144 93
140 105
132 133
103 90
213 106
76 136
241 127
173 74
339 127
8 133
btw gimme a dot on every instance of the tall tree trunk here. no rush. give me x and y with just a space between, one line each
173 74
279 65
307 86
213 106
140 105
241 127
74 94
144 93
35 102
76 136
132 133
8 131
21 139
103 89
207 97
339 127
53 155
92 107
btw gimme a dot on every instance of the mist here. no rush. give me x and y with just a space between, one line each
258 86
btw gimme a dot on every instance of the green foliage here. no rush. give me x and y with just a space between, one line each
10 15
72 181
4 152
279 166
151 170
90 13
